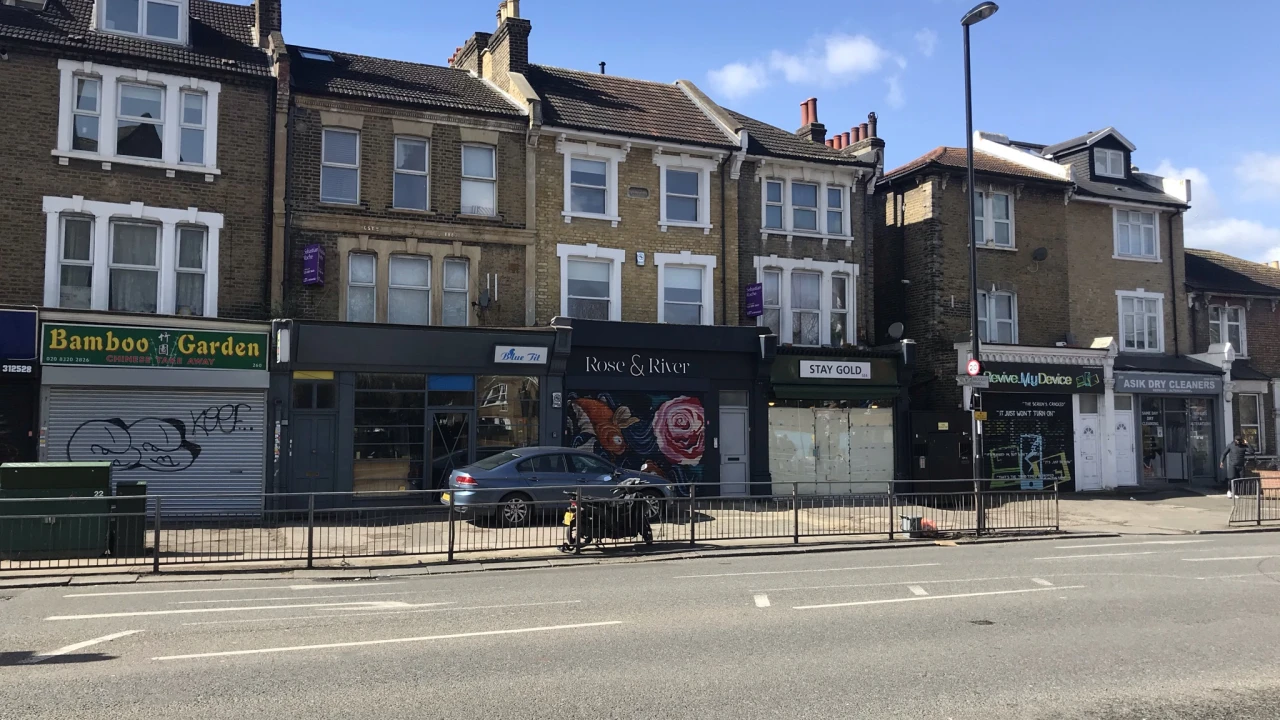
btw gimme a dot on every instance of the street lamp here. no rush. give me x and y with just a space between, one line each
979 13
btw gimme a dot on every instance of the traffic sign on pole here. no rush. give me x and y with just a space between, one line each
974 367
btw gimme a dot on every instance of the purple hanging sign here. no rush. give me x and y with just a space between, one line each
313 264
755 300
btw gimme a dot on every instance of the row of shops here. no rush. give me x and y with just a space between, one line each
214 413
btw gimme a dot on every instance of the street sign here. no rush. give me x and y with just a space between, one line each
981 382
980 415
974 367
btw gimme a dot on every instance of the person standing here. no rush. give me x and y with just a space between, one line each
1234 458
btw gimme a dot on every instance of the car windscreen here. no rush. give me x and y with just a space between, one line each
494 461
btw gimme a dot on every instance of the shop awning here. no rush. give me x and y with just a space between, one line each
835 392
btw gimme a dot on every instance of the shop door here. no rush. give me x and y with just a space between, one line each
17 413
311 467
1176 440
733 451
1200 429
1126 458
1088 445
450 443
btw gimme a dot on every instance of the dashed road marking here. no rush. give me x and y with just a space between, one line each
933 597
1042 581
917 590
362 586
372 605
361 613
794 572
1238 557
1125 544
1098 555
762 601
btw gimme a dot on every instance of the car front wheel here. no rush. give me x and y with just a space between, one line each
652 505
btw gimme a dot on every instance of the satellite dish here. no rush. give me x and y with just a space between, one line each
896 330
1040 254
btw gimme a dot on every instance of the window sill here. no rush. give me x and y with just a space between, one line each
1136 258
766 232
337 204
1157 351
705 227
109 160
569 216
1001 248
469 216
411 211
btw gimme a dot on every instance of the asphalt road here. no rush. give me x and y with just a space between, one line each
1184 628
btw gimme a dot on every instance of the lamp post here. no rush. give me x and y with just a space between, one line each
979 13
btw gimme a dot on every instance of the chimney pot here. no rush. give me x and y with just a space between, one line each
831 143
866 129
804 113
856 132
848 139
839 141
871 122
813 109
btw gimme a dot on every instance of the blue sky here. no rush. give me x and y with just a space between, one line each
1194 85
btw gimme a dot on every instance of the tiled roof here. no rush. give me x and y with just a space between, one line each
1164 363
371 78
982 162
1075 142
622 106
1212 271
221 35
1242 370
765 139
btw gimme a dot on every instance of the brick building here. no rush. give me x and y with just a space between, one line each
1235 301
1082 307
135 200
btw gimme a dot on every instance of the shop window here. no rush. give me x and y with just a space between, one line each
1249 409
457 292
451 390
1226 324
507 414
390 432
831 447
362 272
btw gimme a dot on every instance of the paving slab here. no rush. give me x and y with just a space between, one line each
34 582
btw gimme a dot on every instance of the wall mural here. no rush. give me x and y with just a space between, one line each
164 445
664 433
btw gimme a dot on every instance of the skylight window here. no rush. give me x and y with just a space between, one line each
315 55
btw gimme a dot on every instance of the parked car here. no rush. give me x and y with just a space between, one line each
513 486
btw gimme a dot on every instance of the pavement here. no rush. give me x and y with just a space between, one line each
1152 627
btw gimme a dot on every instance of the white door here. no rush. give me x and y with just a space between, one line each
1126 458
1088 453
733 451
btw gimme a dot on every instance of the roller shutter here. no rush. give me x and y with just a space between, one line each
181 442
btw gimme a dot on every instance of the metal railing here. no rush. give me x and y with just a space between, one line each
1255 500
326 527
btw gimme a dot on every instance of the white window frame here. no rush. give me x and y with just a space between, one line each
615 258
788 175
1260 448
786 266
202 126
100 21
346 272
179 269
987 306
985 223
1224 324
77 112
324 141
108 104
847 311
1121 295
843 209
760 273
103 213
445 290
1115 233
1105 160
62 258
392 286
464 178
818 202
598 153
160 123
765 203
396 171
686 259
157 268
704 167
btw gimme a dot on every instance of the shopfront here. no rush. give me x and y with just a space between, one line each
834 419
376 410
1177 423
19 384
180 406
688 400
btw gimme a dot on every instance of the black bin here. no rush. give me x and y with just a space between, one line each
129 519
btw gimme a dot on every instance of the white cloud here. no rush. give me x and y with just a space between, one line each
738 80
853 56
1205 227
926 41
833 60
1259 176
895 97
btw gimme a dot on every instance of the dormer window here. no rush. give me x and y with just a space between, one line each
164 20
1109 163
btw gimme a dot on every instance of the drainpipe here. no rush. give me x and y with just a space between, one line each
269 208
1173 286
292 121
724 247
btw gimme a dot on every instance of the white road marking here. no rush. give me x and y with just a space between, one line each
34 659
933 597
890 584
370 605
1125 544
917 590
793 572
1239 557
1042 581
762 601
365 643
391 612
294 597
1098 555
235 589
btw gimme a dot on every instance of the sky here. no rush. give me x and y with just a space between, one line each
1193 85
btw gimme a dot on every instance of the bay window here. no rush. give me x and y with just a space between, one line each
839 309
806 307
804 206
88 113
773 204
135 267
191 140
808 302
835 210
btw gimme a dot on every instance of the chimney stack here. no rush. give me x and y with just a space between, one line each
266 19
871 122
810 128
1274 264
511 40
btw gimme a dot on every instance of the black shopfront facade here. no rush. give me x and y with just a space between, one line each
19 384
376 410
690 401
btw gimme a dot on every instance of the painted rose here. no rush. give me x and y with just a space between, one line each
680 427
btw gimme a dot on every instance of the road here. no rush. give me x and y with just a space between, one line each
1146 628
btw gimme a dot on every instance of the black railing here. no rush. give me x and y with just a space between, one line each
325 527
1255 500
